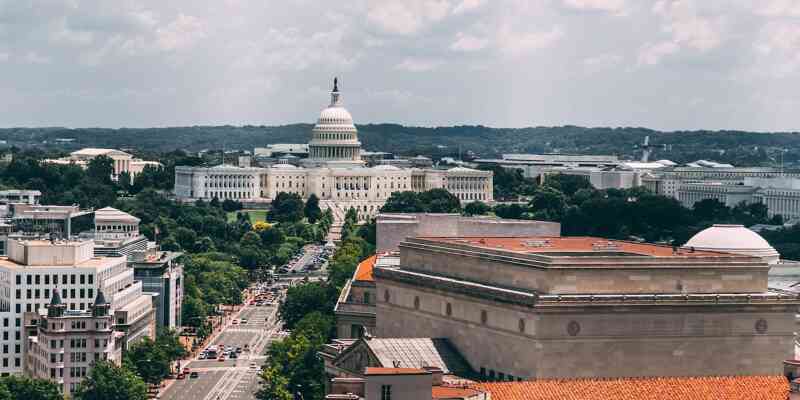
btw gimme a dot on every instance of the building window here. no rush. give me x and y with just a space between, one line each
522 325
484 317
386 296
366 298
72 279
416 302
386 392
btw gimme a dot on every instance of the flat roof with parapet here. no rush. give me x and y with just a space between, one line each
93 263
579 246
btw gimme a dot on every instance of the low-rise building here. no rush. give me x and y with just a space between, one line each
564 307
62 345
122 161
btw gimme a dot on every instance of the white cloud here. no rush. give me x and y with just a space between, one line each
602 61
777 8
652 53
407 17
687 28
33 57
778 49
466 42
468 5
517 43
183 32
418 65
616 7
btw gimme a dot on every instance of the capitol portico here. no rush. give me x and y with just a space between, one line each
333 172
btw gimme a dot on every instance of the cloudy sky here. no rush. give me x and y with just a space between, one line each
687 64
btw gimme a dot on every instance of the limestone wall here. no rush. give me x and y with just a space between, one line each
696 340
394 228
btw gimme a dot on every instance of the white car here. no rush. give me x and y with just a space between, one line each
253 365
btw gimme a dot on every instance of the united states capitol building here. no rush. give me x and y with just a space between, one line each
333 171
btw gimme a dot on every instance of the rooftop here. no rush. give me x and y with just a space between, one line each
394 371
576 246
364 269
419 353
694 388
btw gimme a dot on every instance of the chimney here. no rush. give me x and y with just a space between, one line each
437 375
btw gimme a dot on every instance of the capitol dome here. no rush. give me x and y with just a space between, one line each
334 139
733 239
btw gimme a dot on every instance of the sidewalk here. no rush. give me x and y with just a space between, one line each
218 328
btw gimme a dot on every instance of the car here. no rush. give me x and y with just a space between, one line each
194 374
229 349
233 355
238 350
253 365
221 359
244 320
181 375
201 356
236 322
186 370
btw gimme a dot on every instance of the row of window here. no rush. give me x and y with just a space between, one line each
36 293
30 279
448 310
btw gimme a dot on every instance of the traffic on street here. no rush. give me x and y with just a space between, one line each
228 368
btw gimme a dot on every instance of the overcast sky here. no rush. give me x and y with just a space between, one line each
694 64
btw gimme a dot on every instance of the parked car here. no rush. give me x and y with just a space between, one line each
194 374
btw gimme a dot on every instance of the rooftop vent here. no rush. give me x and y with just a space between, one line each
605 246
537 243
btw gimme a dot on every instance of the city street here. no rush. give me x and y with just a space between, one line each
232 379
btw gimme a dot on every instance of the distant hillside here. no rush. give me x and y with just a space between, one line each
740 148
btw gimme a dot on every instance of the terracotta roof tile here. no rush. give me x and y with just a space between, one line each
364 269
450 392
689 388
575 244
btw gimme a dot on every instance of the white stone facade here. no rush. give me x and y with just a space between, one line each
333 172
123 162
35 269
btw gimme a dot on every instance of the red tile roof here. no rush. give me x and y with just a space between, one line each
690 388
450 392
578 244
394 371
364 269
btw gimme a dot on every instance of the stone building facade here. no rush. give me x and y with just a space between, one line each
62 345
333 171
541 307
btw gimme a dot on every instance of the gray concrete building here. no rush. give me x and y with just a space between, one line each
161 275
565 307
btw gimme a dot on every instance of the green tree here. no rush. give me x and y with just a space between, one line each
440 201
25 388
169 341
548 204
476 208
148 360
100 169
312 210
304 299
274 385
231 205
186 238
567 184
107 381
403 202
287 207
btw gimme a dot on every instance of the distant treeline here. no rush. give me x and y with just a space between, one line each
736 147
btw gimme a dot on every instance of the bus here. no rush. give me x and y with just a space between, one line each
211 352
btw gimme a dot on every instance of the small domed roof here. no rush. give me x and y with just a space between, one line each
733 239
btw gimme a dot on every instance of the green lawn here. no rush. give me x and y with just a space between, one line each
255 215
